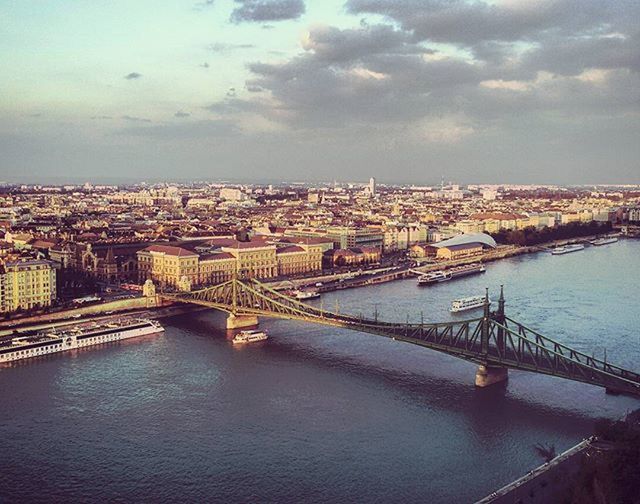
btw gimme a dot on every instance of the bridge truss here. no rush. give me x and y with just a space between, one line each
493 340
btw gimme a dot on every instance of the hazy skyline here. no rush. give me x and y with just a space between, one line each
404 90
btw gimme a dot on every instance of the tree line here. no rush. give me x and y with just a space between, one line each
534 236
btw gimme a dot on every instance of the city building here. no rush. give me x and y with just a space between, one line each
27 284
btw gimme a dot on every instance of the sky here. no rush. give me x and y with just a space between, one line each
407 91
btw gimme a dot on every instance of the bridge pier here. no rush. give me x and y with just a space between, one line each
241 321
490 375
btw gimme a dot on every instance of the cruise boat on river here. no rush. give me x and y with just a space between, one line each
468 303
567 248
603 241
303 295
445 275
62 339
249 337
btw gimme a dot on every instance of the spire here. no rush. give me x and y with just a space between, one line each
501 304
110 258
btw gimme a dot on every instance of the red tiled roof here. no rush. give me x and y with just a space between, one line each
289 249
169 250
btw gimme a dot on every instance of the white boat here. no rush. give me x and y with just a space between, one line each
468 303
36 344
308 294
443 276
434 277
567 248
249 337
603 241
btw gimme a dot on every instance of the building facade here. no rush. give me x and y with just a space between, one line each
26 285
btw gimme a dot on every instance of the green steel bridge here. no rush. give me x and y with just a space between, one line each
494 341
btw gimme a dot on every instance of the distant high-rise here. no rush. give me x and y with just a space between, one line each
372 186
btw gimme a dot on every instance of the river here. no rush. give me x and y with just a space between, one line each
318 414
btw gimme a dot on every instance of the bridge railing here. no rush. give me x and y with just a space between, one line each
520 350
575 355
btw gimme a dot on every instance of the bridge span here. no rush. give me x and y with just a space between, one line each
495 342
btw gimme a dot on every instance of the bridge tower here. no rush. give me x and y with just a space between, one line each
486 374
235 319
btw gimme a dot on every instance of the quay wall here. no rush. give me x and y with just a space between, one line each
120 305
545 483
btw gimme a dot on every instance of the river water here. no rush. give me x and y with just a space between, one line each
317 414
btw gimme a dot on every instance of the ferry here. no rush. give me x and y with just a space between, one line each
468 303
603 241
249 337
567 248
446 275
56 340
306 294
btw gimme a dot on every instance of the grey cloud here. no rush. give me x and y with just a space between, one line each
574 55
468 23
373 73
332 44
379 74
204 65
267 10
184 131
133 76
101 118
135 119
230 106
221 47
180 114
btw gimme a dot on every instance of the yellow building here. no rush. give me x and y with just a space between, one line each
27 284
223 258
461 251
299 259
216 268
254 259
167 264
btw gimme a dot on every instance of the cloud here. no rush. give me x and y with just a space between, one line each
333 44
267 10
493 60
181 114
135 119
221 47
133 76
184 131
200 6
101 118
204 65
355 76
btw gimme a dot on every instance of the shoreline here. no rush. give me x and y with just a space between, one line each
330 283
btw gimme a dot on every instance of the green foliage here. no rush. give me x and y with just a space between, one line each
533 236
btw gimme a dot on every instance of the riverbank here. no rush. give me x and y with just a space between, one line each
321 283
